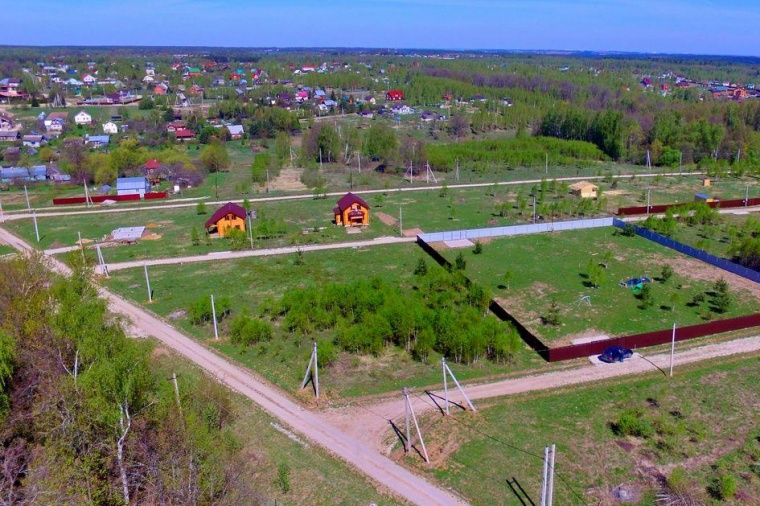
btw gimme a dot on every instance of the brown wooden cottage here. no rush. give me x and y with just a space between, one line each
227 217
351 211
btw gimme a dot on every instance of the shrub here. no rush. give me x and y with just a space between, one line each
723 487
326 353
460 263
200 310
283 477
246 330
200 208
632 423
478 248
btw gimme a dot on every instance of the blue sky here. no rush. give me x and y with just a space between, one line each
673 26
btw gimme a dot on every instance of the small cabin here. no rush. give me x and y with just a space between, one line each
703 197
351 211
226 218
584 190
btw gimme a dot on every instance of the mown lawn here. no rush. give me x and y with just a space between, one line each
554 267
703 420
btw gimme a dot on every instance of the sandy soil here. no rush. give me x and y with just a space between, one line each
386 219
288 180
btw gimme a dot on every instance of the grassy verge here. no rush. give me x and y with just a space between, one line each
702 421
277 461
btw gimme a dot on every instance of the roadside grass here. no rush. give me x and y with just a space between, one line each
314 476
554 267
6 249
249 282
703 420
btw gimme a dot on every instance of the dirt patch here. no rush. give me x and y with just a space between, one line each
151 225
58 244
413 232
160 351
691 268
176 315
387 219
151 237
288 180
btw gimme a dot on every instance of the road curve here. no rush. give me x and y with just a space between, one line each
314 426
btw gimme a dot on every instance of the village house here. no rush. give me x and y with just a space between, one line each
32 140
236 131
584 190
132 186
394 95
97 141
8 136
229 216
351 211
183 135
110 128
82 118
6 122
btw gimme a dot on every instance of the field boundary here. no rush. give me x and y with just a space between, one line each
101 198
701 255
661 208
633 341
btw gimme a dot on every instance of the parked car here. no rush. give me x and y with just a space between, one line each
615 354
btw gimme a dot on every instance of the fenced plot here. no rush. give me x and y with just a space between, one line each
562 286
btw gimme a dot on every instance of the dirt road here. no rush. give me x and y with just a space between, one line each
228 255
370 421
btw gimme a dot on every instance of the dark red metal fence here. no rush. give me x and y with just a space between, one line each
723 204
654 338
100 198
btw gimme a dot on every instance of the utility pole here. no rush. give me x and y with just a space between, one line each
447 369
746 198
547 485
176 391
400 221
213 315
649 193
2 216
546 170
312 368
250 228
672 349
26 194
534 209
359 155
147 283
408 409
36 230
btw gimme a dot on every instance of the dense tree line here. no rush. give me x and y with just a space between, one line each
89 418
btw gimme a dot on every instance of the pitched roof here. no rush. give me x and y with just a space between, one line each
348 200
151 164
228 208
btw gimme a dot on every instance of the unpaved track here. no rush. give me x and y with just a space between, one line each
314 426
370 421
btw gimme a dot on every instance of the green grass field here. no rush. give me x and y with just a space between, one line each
283 360
702 420
548 267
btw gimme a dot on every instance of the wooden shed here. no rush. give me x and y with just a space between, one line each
227 217
351 211
584 190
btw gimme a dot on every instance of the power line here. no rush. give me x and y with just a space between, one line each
510 446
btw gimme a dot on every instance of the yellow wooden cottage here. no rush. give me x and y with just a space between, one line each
227 217
351 211
584 190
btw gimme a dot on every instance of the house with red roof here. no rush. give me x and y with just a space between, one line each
351 211
184 135
394 95
229 216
